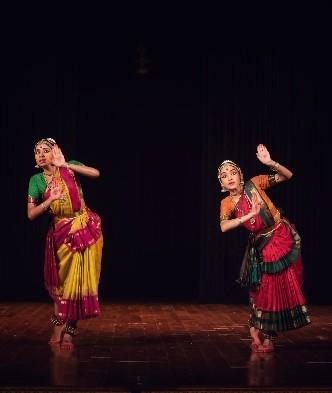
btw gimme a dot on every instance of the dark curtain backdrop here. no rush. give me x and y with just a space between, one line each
157 138
141 129
280 98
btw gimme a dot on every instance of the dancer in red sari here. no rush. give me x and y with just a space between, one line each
74 241
272 265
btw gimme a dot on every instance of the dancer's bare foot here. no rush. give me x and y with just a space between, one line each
57 335
254 333
256 344
268 345
67 342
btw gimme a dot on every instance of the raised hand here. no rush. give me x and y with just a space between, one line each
263 154
58 158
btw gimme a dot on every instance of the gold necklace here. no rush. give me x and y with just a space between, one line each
235 199
252 220
48 179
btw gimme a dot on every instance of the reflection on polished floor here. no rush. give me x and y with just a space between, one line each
149 347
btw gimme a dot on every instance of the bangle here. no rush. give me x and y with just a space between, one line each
32 200
240 220
43 205
275 166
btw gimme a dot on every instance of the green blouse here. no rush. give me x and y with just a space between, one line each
37 184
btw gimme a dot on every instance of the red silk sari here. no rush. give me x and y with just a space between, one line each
272 267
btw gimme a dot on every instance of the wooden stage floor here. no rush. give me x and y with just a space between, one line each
153 347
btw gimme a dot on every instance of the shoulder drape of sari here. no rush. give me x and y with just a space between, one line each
252 265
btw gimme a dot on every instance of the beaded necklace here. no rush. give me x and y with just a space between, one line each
48 179
51 182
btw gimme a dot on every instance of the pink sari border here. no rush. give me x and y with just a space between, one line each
87 307
72 188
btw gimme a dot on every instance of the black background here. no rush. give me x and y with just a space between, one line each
217 83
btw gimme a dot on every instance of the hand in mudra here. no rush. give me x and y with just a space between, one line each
56 192
58 158
263 154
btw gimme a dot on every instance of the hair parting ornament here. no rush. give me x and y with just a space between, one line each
220 168
48 141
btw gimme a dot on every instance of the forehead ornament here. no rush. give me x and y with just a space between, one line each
224 165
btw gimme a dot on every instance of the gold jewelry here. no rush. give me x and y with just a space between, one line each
48 141
252 221
275 166
48 177
231 163
240 220
32 200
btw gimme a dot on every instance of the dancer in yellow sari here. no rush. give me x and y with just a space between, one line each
74 241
